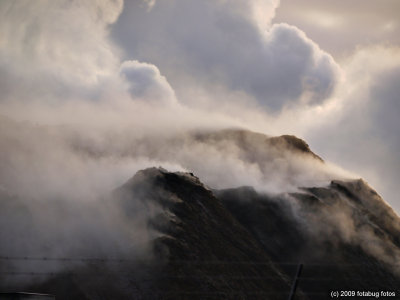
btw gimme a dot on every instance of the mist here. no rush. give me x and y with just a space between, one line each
85 105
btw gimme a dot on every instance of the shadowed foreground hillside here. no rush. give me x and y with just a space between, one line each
239 244
236 243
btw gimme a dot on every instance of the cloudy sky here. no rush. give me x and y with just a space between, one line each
326 71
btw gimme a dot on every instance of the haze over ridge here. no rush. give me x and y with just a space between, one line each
119 65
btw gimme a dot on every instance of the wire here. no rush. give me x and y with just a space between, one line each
209 262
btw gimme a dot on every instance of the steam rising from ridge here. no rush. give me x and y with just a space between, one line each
73 94
77 120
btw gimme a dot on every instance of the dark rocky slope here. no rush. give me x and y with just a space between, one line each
240 244
205 252
233 243
342 243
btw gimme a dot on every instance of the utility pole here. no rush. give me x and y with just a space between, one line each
296 281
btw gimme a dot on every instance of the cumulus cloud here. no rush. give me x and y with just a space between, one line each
341 26
56 51
46 52
219 43
145 81
361 133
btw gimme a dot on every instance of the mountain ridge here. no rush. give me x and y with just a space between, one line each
245 242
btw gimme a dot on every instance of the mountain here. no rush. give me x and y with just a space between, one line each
206 252
238 242
342 242
241 242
